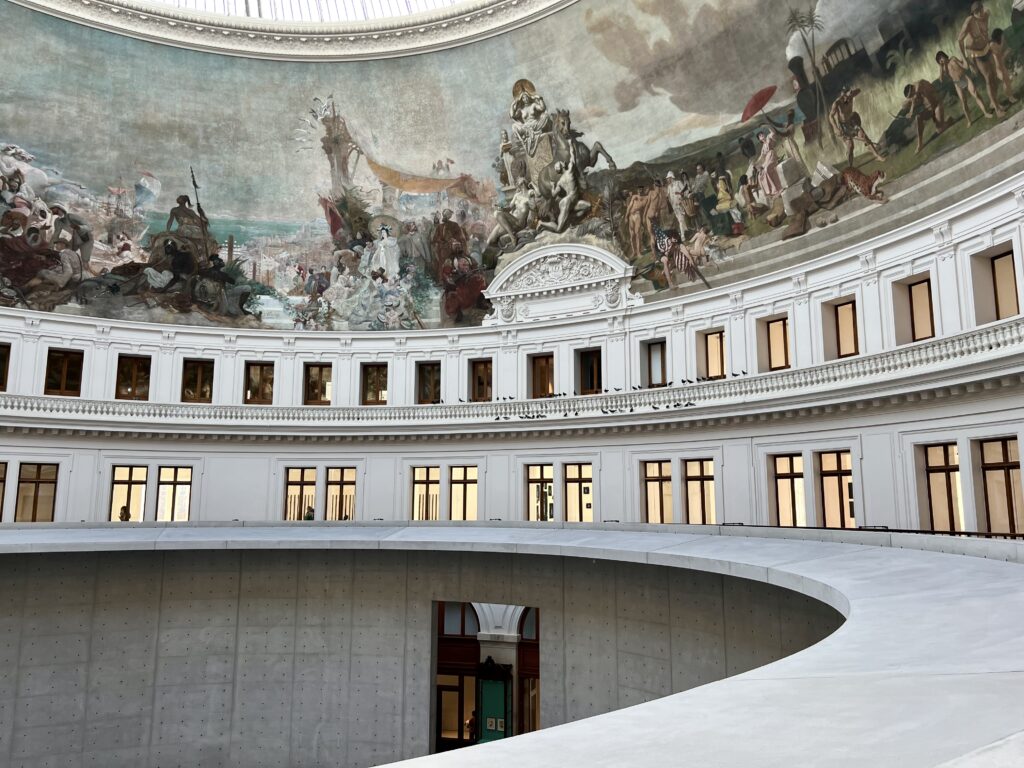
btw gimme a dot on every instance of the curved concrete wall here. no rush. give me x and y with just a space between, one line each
323 658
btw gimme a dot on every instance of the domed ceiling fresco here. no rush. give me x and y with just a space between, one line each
156 184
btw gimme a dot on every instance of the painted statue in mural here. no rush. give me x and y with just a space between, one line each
391 205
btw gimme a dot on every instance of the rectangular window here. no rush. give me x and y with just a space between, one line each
132 382
173 494
590 371
463 485
714 355
5 365
341 493
700 491
657 366
259 383
1000 469
945 499
540 492
658 491
426 493
1004 282
64 372
374 385
37 493
128 494
300 493
3 483
197 381
542 376
847 342
316 384
480 372
791 511
579 493
921 324
777 332
836 478
428 383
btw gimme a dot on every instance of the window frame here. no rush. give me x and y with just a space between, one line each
342 482
546 478
475 395
64 355
787 362
1007 467
662 480
430 487
545 361
791 476
200 365
302 484
138 366
995 284
5 365
947 470
836 308
848 508
128 484
37 482
174 483
719 335
428 369
702 479
465 483
262 366
589 364
661 379
913 313
320 384
573 487
365 371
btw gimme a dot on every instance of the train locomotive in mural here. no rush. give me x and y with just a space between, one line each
392 249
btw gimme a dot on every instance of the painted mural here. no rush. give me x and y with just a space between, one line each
148 183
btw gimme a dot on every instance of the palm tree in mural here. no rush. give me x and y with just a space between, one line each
807 24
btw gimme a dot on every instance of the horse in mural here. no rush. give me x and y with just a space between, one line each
567 145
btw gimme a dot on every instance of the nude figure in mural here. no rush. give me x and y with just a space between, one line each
923 104
956 71
847 123
530 115
976 48
569 204
516 216
635 207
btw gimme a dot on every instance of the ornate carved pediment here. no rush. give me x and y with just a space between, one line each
560 281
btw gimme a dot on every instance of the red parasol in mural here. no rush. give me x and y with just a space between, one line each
758 102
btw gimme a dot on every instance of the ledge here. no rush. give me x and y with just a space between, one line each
926 670
987 358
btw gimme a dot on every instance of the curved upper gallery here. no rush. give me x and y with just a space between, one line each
706 146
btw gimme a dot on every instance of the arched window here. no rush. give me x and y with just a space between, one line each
457 620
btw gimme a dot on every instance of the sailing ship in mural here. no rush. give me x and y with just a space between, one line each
859 97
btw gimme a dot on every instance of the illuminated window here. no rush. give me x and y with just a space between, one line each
921 323
197 381
700 491
300 493
374 387
790 508
426 493
480 372
1000 470
173 494
945 499
259 383
712 362
579 493
132 382
657 367
589 361
658 491
847 343
540 492
463 496
64 372
128 494
542 376
37 493
1004 282
835 474
341 493
3 483
5 364
777 339
428 383
317 385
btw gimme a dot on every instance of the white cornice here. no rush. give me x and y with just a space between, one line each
302 41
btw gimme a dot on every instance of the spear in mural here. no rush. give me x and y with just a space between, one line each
202 217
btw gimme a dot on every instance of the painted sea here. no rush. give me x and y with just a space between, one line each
248 230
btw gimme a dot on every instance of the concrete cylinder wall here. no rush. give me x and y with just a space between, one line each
323 658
